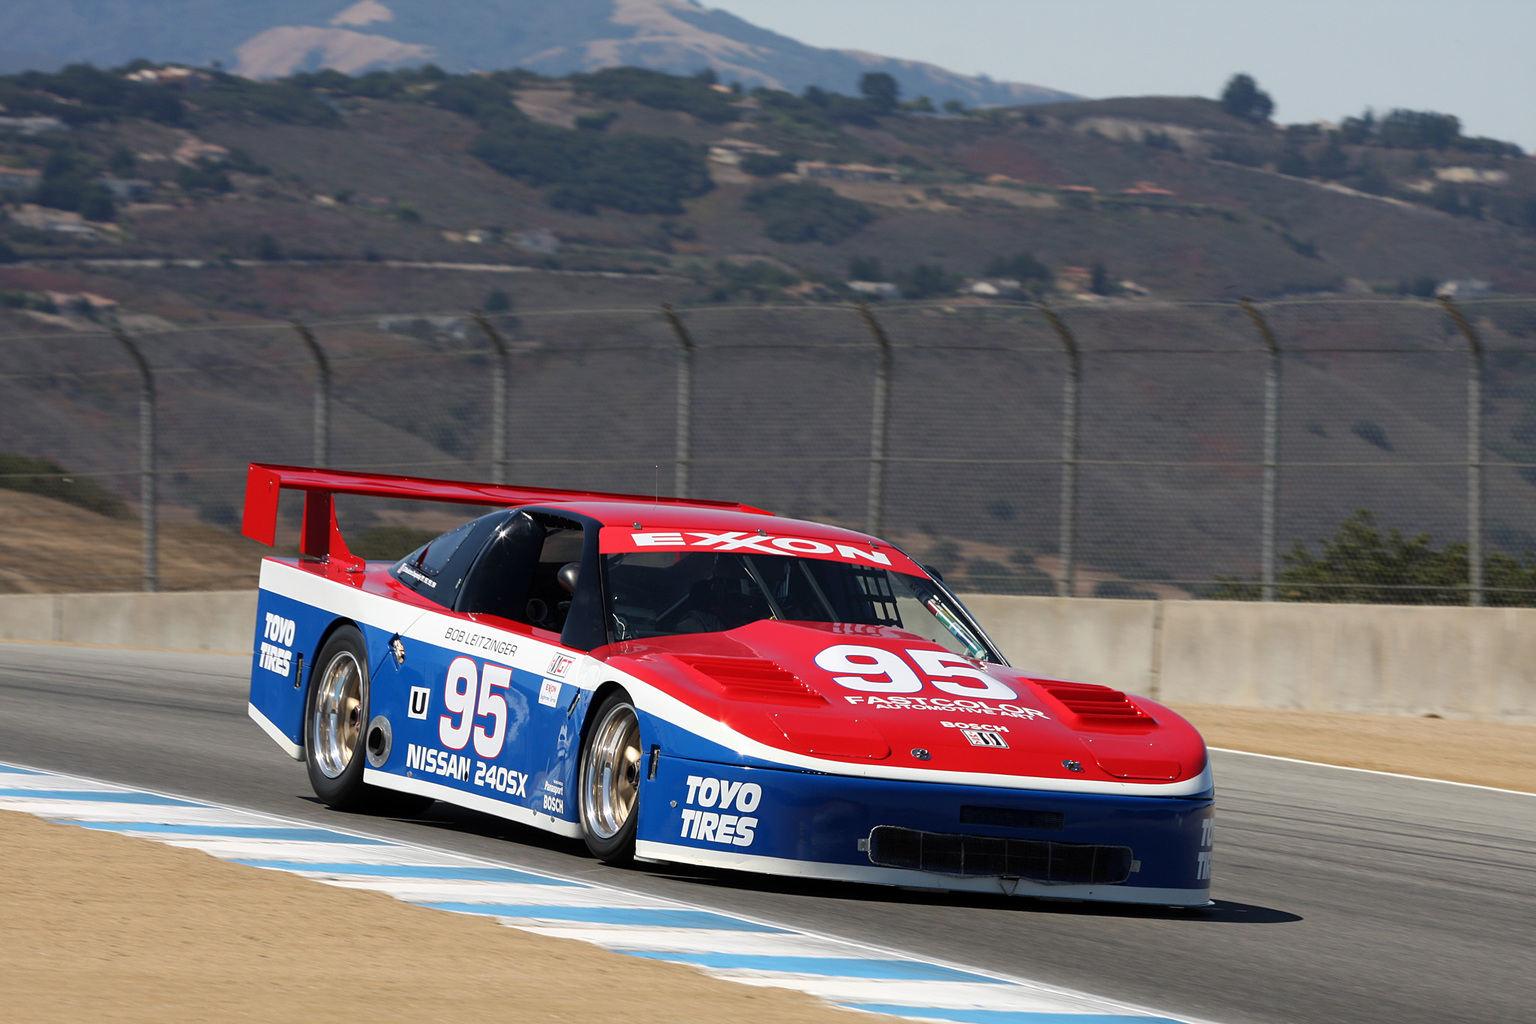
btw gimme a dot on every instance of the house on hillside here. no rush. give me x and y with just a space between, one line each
730 151
20 180
1146 188
33 125
818 169
128 190
1470 288
877 289
82 302
186 78
195 151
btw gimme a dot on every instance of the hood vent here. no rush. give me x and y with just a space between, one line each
1096 703
754 680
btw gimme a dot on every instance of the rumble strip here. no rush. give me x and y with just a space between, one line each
723 945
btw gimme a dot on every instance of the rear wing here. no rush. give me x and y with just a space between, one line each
321 538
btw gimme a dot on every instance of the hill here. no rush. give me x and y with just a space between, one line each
275 38
632 171
211 208
50 547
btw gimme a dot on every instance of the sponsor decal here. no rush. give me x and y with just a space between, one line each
432 761
982 726
279 629
480 641
421 700
759 543
554 787
476 710
277 656
275 659
502 780
1203 859
419 576
549 693
560 665
969 707
877 670
983 738
716 826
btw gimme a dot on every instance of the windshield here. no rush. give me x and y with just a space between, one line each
665 593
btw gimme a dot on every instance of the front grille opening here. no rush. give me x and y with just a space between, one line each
1038 860
1013 817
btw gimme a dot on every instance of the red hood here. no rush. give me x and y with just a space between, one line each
866 694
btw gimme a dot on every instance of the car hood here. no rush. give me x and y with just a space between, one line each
874 694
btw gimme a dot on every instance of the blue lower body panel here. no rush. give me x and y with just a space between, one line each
1107 847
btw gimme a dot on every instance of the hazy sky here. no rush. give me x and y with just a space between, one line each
1319 59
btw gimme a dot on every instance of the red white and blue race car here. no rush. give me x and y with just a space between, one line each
701 683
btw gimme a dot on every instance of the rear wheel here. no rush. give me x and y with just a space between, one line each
609 788
335 712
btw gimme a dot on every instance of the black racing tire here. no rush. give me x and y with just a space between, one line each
335 715
609 779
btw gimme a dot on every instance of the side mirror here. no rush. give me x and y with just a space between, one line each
931 571
567 576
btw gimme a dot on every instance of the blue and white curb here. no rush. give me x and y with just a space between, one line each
728 946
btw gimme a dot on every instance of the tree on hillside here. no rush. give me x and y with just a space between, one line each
881 90
1243 98
1364 564
805 212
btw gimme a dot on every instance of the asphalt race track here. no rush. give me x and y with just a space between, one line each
1342 897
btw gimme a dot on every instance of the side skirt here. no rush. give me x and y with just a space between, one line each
473 802
290 748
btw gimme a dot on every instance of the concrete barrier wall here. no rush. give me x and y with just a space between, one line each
1382 659
1458 662
200 621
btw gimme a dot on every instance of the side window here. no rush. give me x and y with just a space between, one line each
437 569
518 575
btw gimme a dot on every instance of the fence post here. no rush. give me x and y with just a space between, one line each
1474 451
500 374
1066 585
1270 496
879 426
683 457
322 452
147 490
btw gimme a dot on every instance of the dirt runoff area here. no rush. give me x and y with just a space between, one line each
100 927
1480 753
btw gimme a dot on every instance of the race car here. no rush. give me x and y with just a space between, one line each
703 683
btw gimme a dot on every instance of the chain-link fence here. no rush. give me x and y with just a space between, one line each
1131 450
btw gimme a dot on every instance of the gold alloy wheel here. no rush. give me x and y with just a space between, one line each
337 717
611 773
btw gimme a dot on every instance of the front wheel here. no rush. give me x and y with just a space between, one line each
609 787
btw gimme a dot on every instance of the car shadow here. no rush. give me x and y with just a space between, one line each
448 818
1216 912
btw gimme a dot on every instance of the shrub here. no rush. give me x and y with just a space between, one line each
803 212
927 281
767 165
205 176
51 480
659 90
597 122
1021 267
388 543
586 170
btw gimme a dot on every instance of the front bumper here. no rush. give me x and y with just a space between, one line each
1131 849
